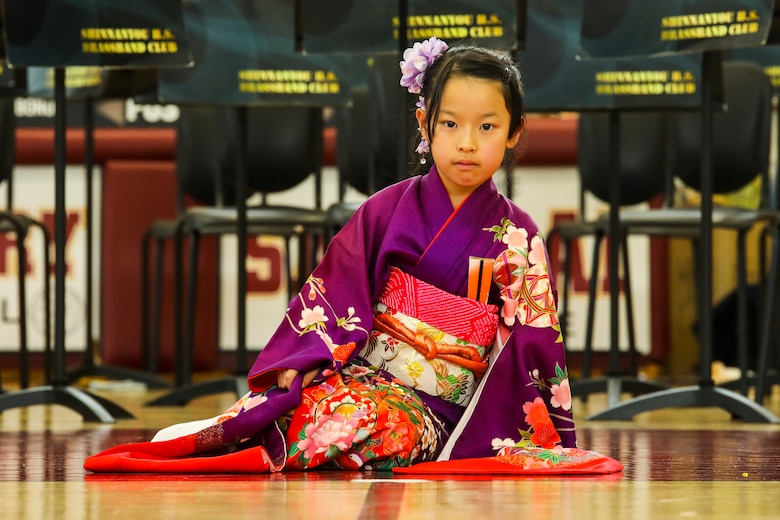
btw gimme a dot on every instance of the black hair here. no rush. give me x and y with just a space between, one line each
480 63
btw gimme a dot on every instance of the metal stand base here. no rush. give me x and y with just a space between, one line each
693 396
91 407
184 394
614 387
119 374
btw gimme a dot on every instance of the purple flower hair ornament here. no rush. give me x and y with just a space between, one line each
416 61
423 147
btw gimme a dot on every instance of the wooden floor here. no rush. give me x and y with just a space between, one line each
679 463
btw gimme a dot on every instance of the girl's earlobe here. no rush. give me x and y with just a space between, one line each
422 122
512 142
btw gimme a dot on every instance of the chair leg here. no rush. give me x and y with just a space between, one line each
566 287
291 292
630 324
188 351
48 358
178 302
587 353
742 312
145 335
769 320
699 282
24 358
154 316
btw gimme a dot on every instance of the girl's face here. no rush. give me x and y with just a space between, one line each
471 135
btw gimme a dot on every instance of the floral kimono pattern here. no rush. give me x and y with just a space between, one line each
360 419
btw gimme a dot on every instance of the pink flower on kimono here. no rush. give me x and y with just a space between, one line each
536 254
509 310
333 430
515 238
357 371
534 463
255 401
561 395
310 317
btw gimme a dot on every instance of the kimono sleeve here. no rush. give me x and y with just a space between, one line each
329 320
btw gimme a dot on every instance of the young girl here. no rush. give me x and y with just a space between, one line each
428 331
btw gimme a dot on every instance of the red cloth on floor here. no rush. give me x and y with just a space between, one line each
522 462
175 456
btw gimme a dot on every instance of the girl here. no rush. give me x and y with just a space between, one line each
429 329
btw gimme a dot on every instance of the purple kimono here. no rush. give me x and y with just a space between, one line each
524 398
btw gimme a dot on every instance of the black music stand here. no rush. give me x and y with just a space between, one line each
88 367
92 408
705 394
28 44
765 375
229 59
550 69
615 381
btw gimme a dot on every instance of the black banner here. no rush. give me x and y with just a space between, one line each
768 58
99 33
556 80
615 28
244 53
347 26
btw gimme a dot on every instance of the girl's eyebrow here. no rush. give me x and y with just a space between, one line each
453 112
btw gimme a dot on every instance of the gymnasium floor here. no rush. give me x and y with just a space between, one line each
679 463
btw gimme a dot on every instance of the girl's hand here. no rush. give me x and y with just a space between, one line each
284 378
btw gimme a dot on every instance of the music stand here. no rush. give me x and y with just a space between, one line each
38 39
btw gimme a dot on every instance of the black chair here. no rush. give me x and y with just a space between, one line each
641 180
741 153
283 147
373 139
20 225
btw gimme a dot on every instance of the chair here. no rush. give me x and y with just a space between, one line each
20 225
641 179
741 152
373 142
283 147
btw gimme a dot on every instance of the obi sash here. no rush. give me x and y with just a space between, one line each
431 340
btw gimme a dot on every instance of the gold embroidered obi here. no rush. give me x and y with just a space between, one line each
431 340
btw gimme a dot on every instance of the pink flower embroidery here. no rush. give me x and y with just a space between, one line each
515 238
561 395
536 254
333 430
255 401
357 371
312 316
